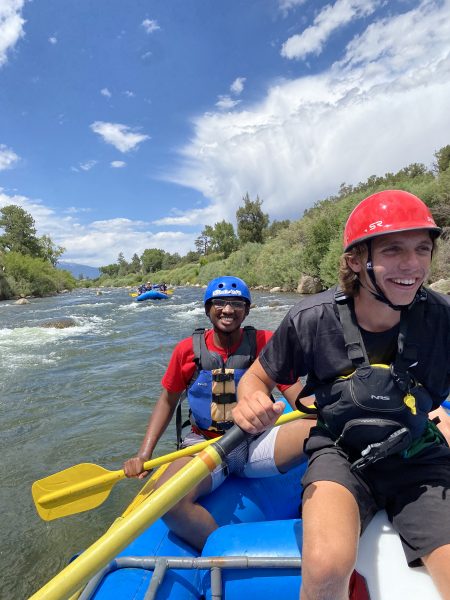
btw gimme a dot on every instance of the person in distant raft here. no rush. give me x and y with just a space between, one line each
376 351
208 366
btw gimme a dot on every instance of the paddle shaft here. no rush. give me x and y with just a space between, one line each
99 483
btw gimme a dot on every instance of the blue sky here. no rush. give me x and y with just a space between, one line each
131 124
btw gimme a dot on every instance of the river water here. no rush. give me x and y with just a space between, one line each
83 394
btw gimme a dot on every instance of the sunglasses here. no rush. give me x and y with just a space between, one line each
236 304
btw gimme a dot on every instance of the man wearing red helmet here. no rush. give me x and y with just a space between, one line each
376 353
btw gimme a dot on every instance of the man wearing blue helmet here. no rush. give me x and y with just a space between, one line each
207 367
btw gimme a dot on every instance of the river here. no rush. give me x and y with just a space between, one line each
83 394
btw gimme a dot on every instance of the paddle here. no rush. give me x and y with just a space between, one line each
94 558
86 486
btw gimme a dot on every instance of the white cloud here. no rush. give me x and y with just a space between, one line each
226 103
331 18
53 40
118 164
8 158
378 108
11 26
150 25
105 92
88 165
286 5
237 86
129 94
98 243
120 136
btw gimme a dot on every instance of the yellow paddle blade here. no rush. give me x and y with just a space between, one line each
86 486
133 294
76 489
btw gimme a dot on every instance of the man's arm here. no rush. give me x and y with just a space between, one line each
444 424
159 420
255 410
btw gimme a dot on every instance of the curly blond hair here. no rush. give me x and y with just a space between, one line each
348 279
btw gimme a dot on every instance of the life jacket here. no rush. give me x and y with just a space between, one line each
212 391
378 409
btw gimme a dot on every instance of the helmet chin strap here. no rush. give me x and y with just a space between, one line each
379 294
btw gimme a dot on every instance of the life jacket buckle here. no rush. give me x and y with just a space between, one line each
394 444
223 377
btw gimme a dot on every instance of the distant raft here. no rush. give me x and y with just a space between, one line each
152 295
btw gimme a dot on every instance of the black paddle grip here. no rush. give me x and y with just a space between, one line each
230 440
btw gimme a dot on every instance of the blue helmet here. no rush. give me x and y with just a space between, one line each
227 286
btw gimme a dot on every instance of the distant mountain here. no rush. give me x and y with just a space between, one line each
77 270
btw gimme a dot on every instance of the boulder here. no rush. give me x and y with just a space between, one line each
309 285
61 323
442 286
275 289
22 301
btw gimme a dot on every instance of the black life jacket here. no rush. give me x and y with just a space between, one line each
377 410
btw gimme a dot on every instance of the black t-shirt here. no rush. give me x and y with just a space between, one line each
310 341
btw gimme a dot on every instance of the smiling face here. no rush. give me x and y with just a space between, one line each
401 262
228 318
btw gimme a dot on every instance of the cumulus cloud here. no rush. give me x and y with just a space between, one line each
237 86
120 136
53 40
118 164
382 105
150 25
331 18
8 158
11 26
226 103
98 243
105 92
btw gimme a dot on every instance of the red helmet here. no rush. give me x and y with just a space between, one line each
387 212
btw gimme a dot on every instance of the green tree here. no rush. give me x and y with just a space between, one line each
442 157
19 232
110 270
49 250
190 257
276 226
251 221
124 267
135 264
223 238
152 259
203 242
170 260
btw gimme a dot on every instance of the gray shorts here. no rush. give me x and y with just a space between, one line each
415 492
259 462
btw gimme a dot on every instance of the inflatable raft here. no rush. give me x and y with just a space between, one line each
255 552
152 295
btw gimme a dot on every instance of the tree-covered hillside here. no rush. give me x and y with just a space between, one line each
28 263
279 253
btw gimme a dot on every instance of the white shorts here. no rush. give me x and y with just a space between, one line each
260 463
